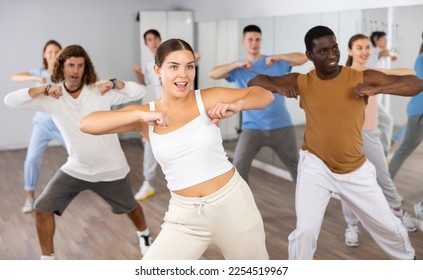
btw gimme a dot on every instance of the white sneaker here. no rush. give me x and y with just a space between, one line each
145 191
418 209
49 257
407 222
351 236
145 243
29 205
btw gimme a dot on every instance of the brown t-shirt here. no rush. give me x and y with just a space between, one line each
334 119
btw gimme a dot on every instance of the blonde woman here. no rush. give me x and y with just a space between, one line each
43 128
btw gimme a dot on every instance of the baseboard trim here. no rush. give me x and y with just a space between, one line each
269 168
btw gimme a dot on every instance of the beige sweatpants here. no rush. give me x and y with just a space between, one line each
228 218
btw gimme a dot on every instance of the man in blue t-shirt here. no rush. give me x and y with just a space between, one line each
271 126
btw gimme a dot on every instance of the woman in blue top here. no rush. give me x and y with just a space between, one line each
44 130
414 131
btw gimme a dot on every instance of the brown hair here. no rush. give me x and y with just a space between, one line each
376 35
350 45
170 46
49 42
154 32
89 77
251 28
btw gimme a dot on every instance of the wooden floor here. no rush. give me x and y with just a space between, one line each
88 229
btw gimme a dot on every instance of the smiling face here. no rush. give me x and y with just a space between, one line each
360 52
325 56
50 53
177 72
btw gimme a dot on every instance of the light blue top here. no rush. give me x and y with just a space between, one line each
276 114
40 72
415 106
41 117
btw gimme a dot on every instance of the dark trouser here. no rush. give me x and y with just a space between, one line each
282 141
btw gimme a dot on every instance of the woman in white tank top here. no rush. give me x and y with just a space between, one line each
210 203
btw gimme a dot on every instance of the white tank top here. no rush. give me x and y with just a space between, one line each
192 153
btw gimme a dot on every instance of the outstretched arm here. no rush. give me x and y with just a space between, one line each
130 118
377 82
284 85
222 71
387 53
27 77
396 71
222 103
294 59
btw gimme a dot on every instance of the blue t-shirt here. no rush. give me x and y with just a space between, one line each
276 114
415 106
42 117
40 72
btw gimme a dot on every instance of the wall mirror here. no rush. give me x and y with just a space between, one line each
220 40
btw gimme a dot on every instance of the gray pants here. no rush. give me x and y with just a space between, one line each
386 126
372 148
63 188
282 141
412 139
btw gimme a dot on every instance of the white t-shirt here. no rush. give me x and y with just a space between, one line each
92 158
154 87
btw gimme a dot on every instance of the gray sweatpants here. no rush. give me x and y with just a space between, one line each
413 137
282 141
372 148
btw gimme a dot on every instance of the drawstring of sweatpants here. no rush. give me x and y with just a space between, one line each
199 205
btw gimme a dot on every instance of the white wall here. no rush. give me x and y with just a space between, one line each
206 10
404 43
107 29
281 34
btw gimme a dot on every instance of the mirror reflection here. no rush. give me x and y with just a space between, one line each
221 40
